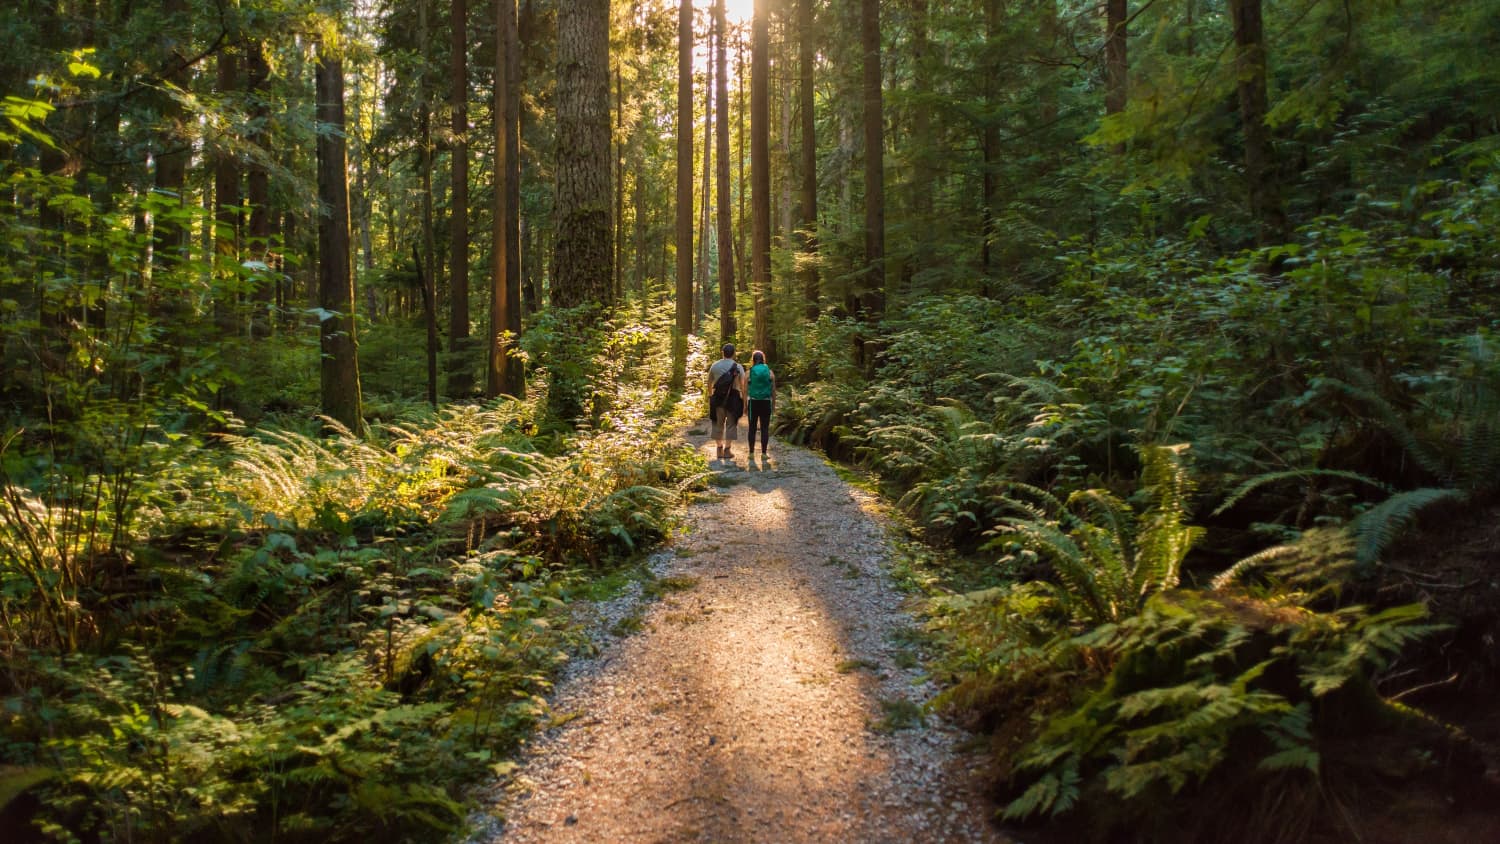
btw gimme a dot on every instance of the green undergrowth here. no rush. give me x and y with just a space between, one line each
1159 500
320 637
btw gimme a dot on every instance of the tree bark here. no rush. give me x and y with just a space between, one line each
1116 80
872 293
685 129
340 361
258 191
725 224
705 213
505 373
619 162
808 205
760 176
1260 172
923 173
460 379
989 142
226 209
743 219
173 150
582 257
427 259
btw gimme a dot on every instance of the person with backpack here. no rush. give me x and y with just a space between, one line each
726 400
760 386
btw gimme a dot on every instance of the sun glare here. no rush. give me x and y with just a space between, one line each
736 12
739 11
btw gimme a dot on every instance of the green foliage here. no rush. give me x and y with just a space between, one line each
1193 689
333 634
1108 561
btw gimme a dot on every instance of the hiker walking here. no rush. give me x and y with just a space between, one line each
761 388
726 400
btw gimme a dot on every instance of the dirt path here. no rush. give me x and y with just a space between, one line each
773 698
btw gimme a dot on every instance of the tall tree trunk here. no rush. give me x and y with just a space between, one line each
427 259
172 154
739 246
989 143
581 259
460 379
684 325
258 190
923 173
808 220
1260 172
725 226
340 360
1191 47
872 294
226 209
706 208
428 286
760 175
1116 81
505 373
619 162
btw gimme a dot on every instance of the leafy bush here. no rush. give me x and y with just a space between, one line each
322 637
1107 560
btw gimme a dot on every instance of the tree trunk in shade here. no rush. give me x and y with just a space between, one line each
872 290
1116 80
1260 171
505 373
460 379
227 200
808 201
258 192
340 363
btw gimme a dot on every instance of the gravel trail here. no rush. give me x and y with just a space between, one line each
773 698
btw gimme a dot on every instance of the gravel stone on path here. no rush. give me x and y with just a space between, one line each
766 702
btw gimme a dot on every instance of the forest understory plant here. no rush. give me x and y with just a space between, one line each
341 631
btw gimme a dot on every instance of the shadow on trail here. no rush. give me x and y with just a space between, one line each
747 709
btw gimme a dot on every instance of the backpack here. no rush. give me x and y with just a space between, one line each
725 384
760 381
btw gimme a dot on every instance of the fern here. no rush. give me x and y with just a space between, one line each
1107 559
1259 481
1379 527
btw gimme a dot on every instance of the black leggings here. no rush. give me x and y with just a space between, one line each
760 409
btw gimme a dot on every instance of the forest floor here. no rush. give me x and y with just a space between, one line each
774 693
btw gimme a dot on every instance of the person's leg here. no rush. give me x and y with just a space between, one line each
754 417
760 417
765 425
716 424
731 433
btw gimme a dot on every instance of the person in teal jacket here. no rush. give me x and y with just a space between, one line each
761 387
